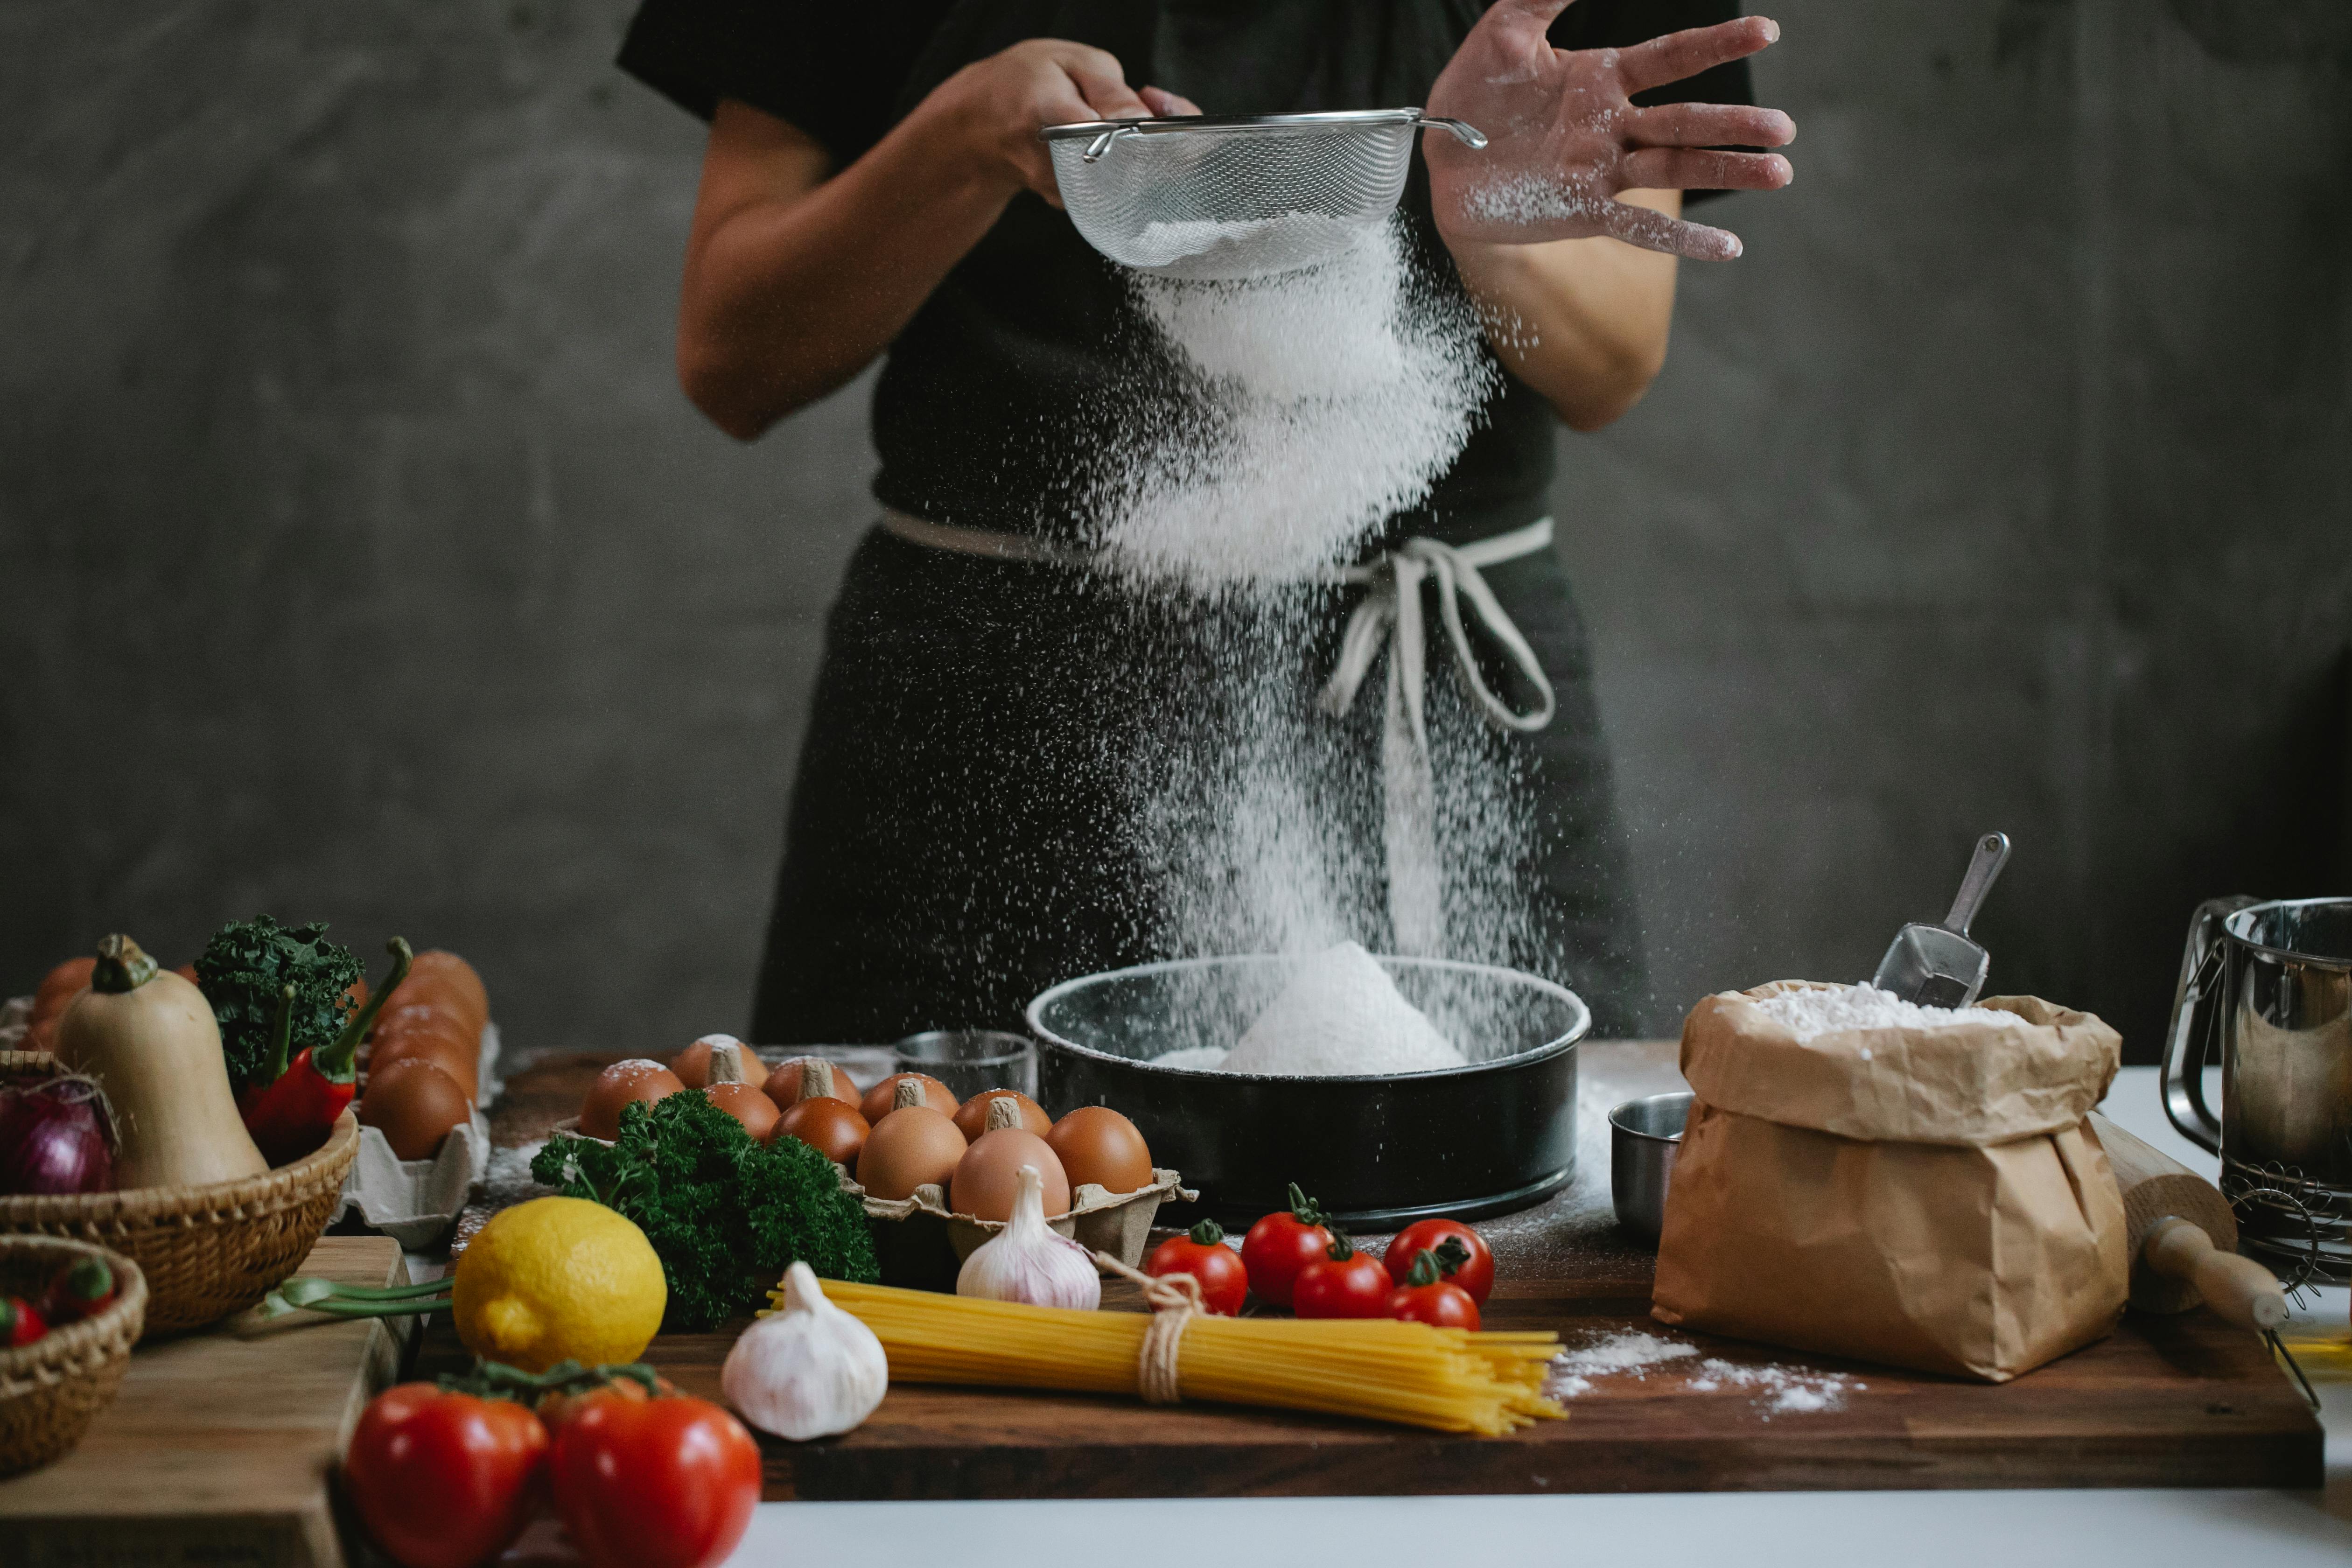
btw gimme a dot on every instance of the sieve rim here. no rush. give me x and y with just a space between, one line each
1242 124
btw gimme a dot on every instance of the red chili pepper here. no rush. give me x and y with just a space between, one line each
81 1290
19 1323
294 1113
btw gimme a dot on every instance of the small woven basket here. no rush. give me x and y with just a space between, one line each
208 1252
52 1389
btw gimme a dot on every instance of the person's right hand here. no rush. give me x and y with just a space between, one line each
992 108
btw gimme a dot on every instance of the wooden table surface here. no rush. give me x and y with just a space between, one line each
2175 1402
219 1448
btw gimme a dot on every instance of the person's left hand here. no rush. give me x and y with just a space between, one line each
1563 137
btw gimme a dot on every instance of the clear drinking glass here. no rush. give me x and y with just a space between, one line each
971 1060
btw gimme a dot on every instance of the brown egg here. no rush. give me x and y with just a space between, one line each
1097 1144
971 1119
909 1147
832 1127
988 1177
438 970
404 1012
413 1104
747 1105
692 1065
436 1043
785 1083
883 1098
639 1077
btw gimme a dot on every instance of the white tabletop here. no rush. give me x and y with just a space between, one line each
1757 1530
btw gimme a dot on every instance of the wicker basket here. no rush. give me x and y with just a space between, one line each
208 1252
50 1390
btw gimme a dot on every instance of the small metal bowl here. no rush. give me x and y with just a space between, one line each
1642 1137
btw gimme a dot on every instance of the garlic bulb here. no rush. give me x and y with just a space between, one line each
1027 1262
808 1370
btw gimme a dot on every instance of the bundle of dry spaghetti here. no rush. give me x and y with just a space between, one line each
1448 1379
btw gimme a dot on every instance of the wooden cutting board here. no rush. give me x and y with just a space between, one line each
2164 1402
219 1448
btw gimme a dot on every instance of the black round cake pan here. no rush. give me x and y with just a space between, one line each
1377 1151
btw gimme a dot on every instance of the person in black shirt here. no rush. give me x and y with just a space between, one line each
874 186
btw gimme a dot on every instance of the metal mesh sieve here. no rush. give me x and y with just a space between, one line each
1235 197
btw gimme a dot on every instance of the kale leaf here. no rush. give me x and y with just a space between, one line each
725 1213
241 973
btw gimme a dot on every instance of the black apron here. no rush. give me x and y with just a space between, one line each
963 831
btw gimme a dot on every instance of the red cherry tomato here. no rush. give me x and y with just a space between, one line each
1282 1244
20 1323
1423 1298
1342 1283
1204 1256
443 1480
1474 1271
653 1483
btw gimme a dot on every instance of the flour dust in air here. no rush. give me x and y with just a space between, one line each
1312 405
1274 427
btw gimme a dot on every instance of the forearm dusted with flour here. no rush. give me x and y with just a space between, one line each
1583 321
797 276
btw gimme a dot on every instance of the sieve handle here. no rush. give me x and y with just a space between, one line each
1101 144
1469 135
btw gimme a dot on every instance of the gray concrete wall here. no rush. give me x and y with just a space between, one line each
359 558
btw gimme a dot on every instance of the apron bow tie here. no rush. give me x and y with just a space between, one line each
1391 616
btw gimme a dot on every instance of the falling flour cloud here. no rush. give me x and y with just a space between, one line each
1318 403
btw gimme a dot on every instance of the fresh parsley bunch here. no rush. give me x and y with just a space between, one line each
725 1213
242 973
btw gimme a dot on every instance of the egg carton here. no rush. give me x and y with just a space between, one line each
417 1200
921 1243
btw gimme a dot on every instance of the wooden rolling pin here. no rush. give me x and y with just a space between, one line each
2184 1239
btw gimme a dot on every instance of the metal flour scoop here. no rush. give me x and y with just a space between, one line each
1937 965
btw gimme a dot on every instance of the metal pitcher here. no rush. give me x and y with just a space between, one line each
2273 982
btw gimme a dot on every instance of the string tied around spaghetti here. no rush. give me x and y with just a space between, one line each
1175 1300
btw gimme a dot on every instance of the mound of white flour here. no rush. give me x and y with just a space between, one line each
1341 1013
1806 1014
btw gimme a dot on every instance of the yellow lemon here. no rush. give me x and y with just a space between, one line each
558 1280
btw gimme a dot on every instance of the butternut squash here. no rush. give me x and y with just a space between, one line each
149 1038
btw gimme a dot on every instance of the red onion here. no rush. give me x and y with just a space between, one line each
56 1137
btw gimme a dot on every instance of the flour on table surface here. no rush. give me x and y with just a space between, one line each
1780 1390
1630 1353
1808 1014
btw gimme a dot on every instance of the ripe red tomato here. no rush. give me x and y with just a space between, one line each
443 1480
1282 1244
653 1483
20 1322
1423 1298
1342 1283
1204 1256
1474 1271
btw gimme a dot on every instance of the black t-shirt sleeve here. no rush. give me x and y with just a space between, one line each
832 70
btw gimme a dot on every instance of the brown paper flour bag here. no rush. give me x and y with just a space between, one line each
1927 1197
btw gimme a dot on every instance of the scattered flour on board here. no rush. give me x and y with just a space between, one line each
1810 1014
1340 1012
1779 1390
1628 1354
1782 1390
